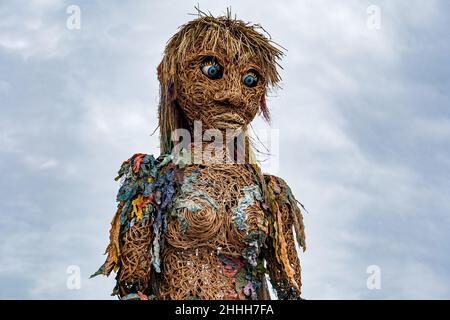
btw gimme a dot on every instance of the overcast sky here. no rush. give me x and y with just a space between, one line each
364 134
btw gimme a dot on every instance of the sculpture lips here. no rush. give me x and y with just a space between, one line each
230 118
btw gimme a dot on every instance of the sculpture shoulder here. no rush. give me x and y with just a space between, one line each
142 165
280 189
147 183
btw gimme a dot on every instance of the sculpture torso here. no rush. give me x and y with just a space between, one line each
197 232
211 250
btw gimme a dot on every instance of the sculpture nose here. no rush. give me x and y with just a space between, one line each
229 97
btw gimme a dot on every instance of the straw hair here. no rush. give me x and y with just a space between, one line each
206 33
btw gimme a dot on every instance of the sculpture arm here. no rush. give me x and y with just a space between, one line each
133 250
286 232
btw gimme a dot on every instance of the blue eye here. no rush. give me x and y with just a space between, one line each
250 79
212 69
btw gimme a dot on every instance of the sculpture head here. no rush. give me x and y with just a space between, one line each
216 71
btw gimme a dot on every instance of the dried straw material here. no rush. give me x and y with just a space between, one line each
212 223
135 259
211 229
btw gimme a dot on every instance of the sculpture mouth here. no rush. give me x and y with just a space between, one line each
229 120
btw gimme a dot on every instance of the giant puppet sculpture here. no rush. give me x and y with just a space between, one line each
213 228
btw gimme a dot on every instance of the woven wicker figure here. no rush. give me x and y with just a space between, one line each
194 223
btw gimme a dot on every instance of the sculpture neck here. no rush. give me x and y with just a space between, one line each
216 147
